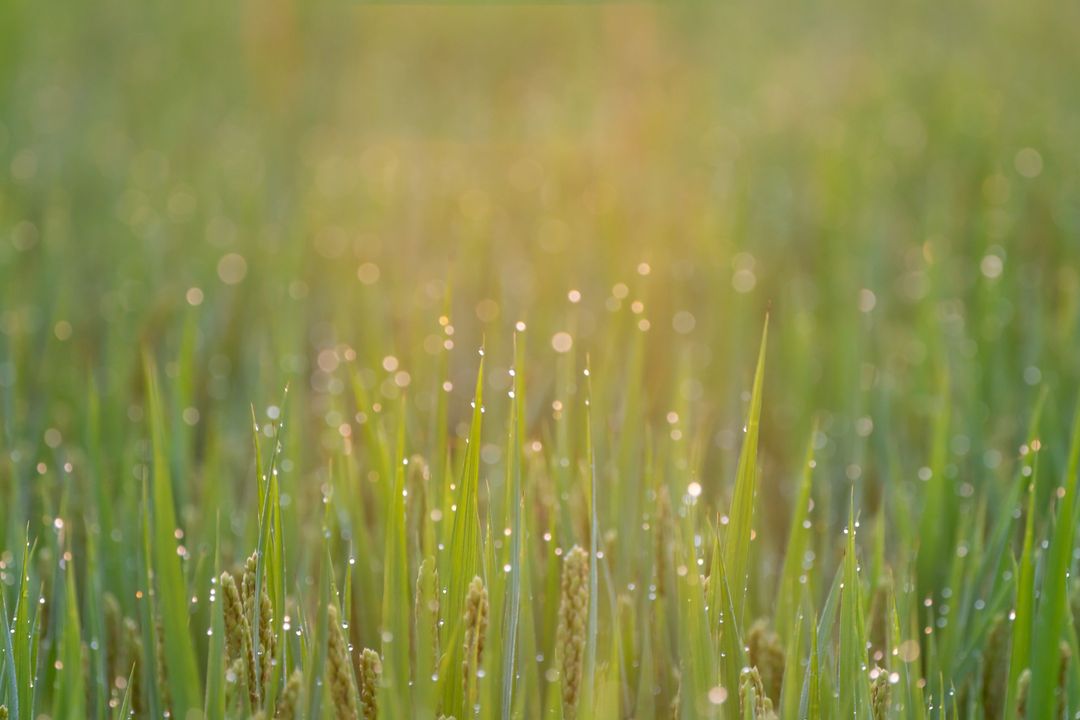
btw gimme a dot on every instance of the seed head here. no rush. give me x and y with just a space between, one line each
767 655
238 635
289 701
1023 684
342 681
573 620
879 695
427 605
752 692
476 619
995 669
370 672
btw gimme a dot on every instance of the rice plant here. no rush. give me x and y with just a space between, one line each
565 362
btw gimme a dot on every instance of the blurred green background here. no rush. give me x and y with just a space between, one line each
276 192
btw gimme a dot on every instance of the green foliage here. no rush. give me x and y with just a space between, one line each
779 315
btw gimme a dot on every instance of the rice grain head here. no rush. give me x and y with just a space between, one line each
1023 684
752 692
573 619
767 655
879 694
267 638
340 673
427 604
995 669
476 620
162 668
290 697
370 672
237 635
133 650
262 613
114 637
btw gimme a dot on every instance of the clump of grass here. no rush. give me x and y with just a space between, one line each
573 620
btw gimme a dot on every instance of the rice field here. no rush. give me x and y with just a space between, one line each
562 361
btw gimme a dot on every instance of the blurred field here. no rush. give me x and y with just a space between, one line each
351 199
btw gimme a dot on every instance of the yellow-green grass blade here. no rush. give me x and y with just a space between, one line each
793 574
853 680
589 671
514 501
726 632
827 666
1023 616
426 634
123 710
791 689
1053 602
936 525
97 645
10 695
699 673
465 552
315 662
71 695
24 640
172 592
214 705
396 596
645 702
741 515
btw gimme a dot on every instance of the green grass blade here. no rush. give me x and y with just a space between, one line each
589 670
1053 603
853 679
172 592
71 699
514 501
741 515
396 596
1025 600
794 557
215 659
465 558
